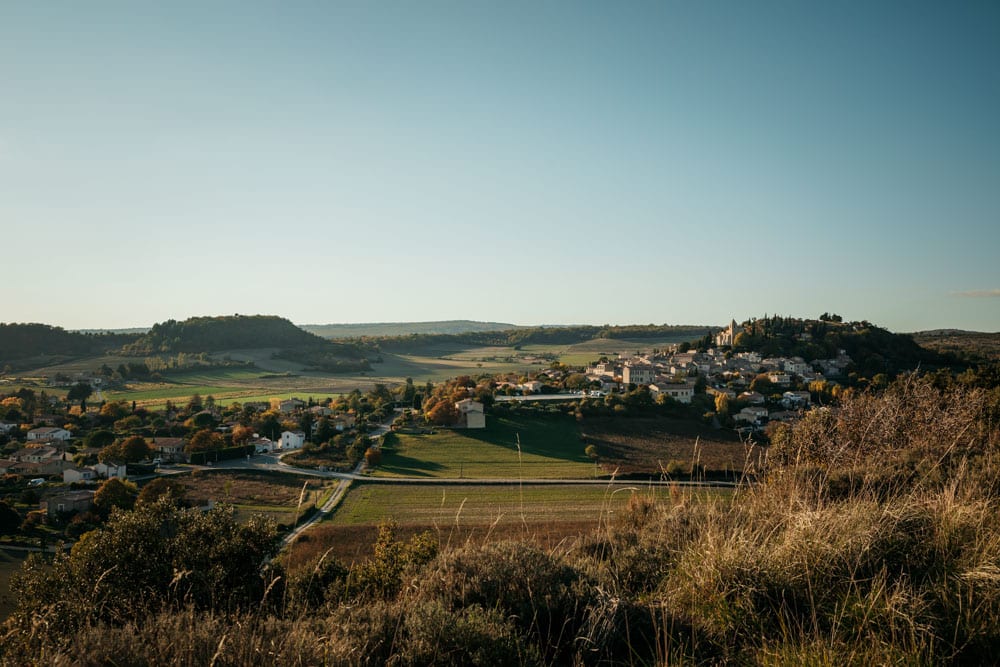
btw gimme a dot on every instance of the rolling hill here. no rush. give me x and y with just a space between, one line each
20 342
380 329
240 332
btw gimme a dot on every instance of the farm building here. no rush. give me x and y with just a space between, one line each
470 414
292 440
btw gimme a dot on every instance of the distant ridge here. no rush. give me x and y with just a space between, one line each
405 328
129 330
952 332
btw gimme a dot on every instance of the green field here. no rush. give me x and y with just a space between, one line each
279 378
478 505
550 449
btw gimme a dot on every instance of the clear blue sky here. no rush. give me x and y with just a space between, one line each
535 162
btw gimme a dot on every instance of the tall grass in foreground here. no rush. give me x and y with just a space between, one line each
874 538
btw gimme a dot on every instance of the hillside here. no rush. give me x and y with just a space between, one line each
236 332
403 328
972 346
212 334
873 349
28 341
536 335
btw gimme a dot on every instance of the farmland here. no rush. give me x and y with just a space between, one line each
550 448
269 377
552 517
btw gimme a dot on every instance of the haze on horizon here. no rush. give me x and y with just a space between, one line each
522 162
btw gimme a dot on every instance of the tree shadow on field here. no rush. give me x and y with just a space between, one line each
409 466
555 437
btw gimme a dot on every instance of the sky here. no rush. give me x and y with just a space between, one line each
525 162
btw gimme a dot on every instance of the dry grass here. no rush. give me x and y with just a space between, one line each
251 489
353 544
875 541
654 444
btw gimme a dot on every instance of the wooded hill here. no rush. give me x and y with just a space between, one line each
26 341
230 332
235 332
873 349
972 346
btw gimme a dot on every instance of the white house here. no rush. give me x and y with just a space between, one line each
292 440
682 393
169 449
75 474
470 414
606 368
7 427
109 470
779 378
37 454
638 373
798 366
261 445
290 405
530 387
795 399
752 413
49 433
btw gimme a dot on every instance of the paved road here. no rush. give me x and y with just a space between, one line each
540 397
334 500
272 463
275 463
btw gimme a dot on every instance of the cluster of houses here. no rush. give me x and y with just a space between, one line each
675 374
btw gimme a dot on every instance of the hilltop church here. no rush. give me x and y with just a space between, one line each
727 335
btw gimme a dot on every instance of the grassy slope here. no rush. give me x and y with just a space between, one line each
451 504
647 443
550 449
10 562
550 517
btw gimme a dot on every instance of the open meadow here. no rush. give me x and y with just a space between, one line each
550 448
549 516
270 377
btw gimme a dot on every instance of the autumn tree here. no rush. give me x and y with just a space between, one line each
242 434
112 411
130 450
205 440
115 493
162 487
442 413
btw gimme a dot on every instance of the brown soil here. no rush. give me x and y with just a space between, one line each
657 444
